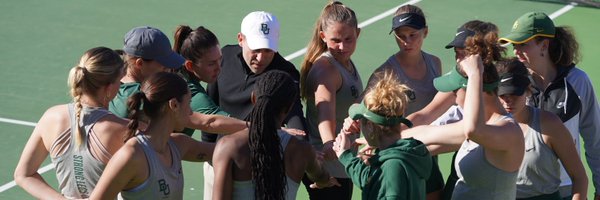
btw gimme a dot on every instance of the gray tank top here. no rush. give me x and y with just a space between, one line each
245 189
479 179
422 90
164 182
77 170
540 172
345 96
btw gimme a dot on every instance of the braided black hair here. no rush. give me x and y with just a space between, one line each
275 93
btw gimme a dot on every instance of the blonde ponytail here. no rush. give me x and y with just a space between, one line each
97 68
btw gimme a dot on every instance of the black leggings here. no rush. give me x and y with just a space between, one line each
343 192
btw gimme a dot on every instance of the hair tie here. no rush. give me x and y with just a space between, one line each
85 71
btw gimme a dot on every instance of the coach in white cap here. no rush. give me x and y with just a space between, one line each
243 64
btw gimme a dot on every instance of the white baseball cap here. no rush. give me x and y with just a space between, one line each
261 30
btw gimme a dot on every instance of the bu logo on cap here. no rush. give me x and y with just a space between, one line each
264 28
515 25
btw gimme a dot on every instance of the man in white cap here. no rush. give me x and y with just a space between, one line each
243 64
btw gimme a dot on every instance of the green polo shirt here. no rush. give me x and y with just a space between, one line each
118 105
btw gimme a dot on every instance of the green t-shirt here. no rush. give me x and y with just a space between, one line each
118 105
201 102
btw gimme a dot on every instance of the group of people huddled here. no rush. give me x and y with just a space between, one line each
513 123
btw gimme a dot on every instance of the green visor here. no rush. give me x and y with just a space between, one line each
360 111
453 80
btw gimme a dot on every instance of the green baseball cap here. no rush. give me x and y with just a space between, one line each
453 80
528 26
360 111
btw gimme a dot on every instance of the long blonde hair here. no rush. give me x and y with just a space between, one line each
333 12
97 68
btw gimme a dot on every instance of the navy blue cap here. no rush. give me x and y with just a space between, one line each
150 43
412 20
514 84
460 37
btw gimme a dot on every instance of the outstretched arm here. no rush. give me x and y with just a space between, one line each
438 139
440 103
215 123
325 80
191 149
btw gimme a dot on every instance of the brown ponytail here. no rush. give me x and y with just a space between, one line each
564 48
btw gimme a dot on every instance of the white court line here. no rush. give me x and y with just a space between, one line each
563 10
19 122
296 54
360 25
40 171
11 184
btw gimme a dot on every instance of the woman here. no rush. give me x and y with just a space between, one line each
416 69
546 140
80 136
489 143
560 87
329 84
441 111
200 48
399 167
148 166
410 64
264 162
